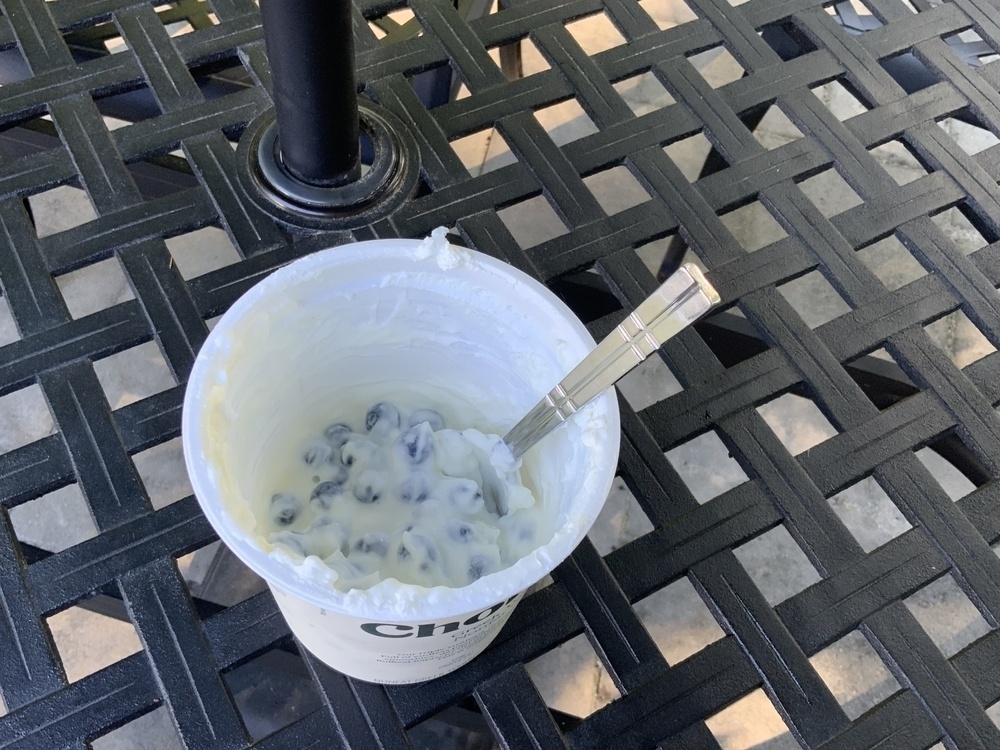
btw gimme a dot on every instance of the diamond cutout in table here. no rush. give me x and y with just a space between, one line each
777 565
678 621
992 711
961 231
653 253
163 174
8 328
272 691
971 138
868 513
398 26
892 263
959 338
689 154
797 422
532 60
434 86
473 149
571 678
668 15
214 574
899 161
135 105
186 564
620 521
649 383
176 28
830 193
55 521
61 208
565 122
24 418
133 374
116 44
814 299
29 137
753 226
162 471
459 726
751 722
138 733
201 251
855 674
532 222
886 357
718 67
498 154
947 615
776 129
88 642
840 100
95 287
595 34
955 484
970 36
706 466
644 93
616 189
846 8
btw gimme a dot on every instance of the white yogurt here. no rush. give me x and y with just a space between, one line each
428 324
431 326
401 496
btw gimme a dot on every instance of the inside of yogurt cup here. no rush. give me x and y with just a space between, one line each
316 351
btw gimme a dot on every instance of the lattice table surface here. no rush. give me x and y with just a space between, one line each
57 134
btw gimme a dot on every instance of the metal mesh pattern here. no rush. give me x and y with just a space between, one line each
188 647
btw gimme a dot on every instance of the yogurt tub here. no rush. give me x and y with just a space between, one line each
427 324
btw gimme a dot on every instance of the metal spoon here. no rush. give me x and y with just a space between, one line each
676 304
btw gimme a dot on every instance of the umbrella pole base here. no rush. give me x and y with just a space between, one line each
390 179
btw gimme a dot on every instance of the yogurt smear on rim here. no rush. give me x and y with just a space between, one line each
401 497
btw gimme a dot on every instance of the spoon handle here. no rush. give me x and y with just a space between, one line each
678 302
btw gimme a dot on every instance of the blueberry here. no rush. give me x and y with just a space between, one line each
466 495
284 509
316 455
416 444
375 544
337 434
478 567
370 486
418 546
383 414
429 416
339 474
425 545
460 531
414 490
324 493
358 450
337 429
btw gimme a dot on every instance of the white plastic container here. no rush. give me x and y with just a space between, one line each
361 323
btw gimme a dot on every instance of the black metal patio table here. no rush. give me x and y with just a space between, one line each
174 170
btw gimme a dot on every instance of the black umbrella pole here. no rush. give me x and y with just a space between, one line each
310 45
